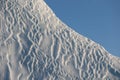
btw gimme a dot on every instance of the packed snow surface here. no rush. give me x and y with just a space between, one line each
36 45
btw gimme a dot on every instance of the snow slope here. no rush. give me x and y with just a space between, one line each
36 45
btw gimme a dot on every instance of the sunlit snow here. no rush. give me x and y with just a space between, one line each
36 45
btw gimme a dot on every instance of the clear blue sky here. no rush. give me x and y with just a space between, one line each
98 20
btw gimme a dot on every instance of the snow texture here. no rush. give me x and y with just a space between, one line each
36 45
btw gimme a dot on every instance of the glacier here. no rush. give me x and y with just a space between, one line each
36 45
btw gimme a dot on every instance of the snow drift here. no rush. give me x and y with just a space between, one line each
36 45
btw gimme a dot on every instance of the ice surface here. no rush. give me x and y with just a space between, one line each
36 45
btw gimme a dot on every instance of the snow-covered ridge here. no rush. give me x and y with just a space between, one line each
36 45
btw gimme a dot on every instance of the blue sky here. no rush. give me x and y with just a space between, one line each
98 20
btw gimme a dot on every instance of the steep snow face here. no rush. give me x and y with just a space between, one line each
36 45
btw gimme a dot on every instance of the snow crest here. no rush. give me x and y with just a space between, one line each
36 45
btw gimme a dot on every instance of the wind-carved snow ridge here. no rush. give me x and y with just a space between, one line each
36 45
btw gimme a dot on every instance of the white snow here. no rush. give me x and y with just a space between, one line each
36 45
